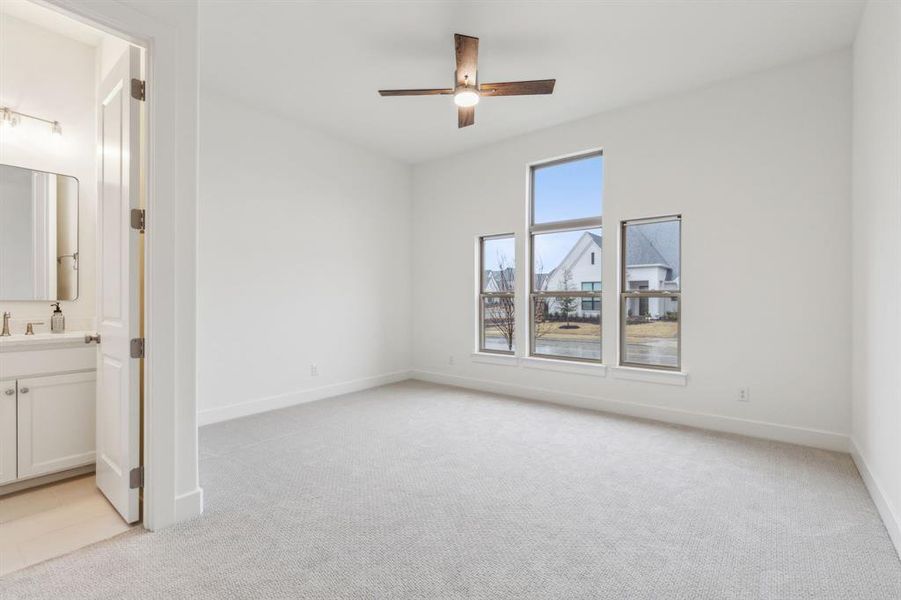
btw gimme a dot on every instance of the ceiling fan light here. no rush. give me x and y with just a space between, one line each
466 97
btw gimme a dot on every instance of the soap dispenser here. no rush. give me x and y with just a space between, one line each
57 320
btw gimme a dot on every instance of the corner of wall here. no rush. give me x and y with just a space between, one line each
890 518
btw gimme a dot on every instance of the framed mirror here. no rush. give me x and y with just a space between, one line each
38 235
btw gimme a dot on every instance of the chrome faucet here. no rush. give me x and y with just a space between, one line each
5 332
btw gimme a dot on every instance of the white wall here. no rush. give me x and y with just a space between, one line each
52 76
877 256
304 258
759 168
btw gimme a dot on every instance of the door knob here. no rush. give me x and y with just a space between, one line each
23 390
92 338
9 392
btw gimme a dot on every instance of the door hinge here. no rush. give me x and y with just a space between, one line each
137 348
136 478
138 89
138 219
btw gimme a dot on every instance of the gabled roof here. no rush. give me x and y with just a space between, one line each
654 244
579 248
648 244
494 276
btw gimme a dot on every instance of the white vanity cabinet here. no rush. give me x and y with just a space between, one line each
47 406
7 431
55 423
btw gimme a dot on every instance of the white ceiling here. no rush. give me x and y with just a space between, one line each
52 21
322 62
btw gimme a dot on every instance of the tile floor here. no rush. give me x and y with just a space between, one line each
53 520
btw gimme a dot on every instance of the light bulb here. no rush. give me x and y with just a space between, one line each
8 118
56 129
466 97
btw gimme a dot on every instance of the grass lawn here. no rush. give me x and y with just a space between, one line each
654 330
587 332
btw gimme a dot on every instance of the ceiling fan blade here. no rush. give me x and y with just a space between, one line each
467 51
423 92
518 88
466 116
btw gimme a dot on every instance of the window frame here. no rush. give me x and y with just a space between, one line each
625 294
533 229
595 287
482 295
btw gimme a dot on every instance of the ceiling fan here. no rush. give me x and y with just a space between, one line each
467 90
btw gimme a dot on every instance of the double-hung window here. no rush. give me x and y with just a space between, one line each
651 293
497 282
565 248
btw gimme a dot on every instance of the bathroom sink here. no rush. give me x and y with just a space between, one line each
21 341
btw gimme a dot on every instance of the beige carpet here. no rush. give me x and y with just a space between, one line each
421 491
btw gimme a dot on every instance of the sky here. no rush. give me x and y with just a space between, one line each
570 190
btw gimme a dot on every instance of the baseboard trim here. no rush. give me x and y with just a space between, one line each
259 405
815 438
188 506
889 518
24 484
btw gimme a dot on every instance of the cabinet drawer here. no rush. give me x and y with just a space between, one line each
26 363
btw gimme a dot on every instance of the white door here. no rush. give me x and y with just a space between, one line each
7 431
118 378
55 428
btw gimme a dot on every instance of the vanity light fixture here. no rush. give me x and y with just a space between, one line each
11 118
8 118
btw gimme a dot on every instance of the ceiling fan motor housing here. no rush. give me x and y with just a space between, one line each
468 82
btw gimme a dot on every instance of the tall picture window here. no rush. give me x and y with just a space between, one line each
650 293
497 305
565 241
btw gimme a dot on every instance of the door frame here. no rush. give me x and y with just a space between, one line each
170 454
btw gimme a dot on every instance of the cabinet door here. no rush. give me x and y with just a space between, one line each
56 423
7 431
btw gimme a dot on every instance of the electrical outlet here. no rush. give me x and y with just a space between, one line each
744 394
314 370
450 359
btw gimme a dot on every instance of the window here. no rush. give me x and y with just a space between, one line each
650 298
497 282
591 303
565 237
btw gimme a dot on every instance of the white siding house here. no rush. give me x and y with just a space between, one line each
651 264
579 270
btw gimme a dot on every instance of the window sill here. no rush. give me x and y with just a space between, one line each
651 375
508 360
563 366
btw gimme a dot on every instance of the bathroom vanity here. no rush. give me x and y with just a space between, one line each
48 391
47 407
